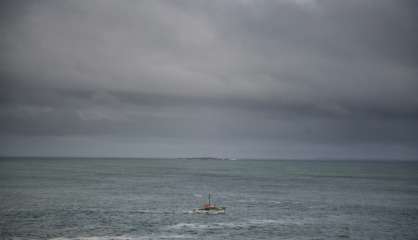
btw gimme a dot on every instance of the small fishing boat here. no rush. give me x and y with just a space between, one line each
209 208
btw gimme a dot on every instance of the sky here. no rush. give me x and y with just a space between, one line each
285 79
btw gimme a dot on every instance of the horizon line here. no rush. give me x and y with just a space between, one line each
220 158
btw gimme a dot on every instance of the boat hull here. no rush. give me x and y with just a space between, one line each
209 211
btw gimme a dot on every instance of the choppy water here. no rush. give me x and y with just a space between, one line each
119 199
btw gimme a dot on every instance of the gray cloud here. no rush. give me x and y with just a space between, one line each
289 78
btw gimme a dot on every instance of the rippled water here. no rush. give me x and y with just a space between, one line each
96 199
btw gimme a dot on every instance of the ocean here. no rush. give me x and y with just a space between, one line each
94 199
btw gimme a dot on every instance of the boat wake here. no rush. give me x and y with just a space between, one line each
229 225
146 237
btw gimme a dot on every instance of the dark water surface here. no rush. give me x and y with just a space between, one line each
151 198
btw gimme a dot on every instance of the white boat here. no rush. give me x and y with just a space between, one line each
209 208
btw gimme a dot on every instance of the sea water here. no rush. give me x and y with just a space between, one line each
93 199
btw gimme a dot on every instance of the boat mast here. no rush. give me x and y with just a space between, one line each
209 198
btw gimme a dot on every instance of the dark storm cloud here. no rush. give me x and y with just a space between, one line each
237 73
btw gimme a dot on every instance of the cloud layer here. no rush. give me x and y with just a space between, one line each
238 78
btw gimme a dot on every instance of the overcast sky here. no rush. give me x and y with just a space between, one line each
244 79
